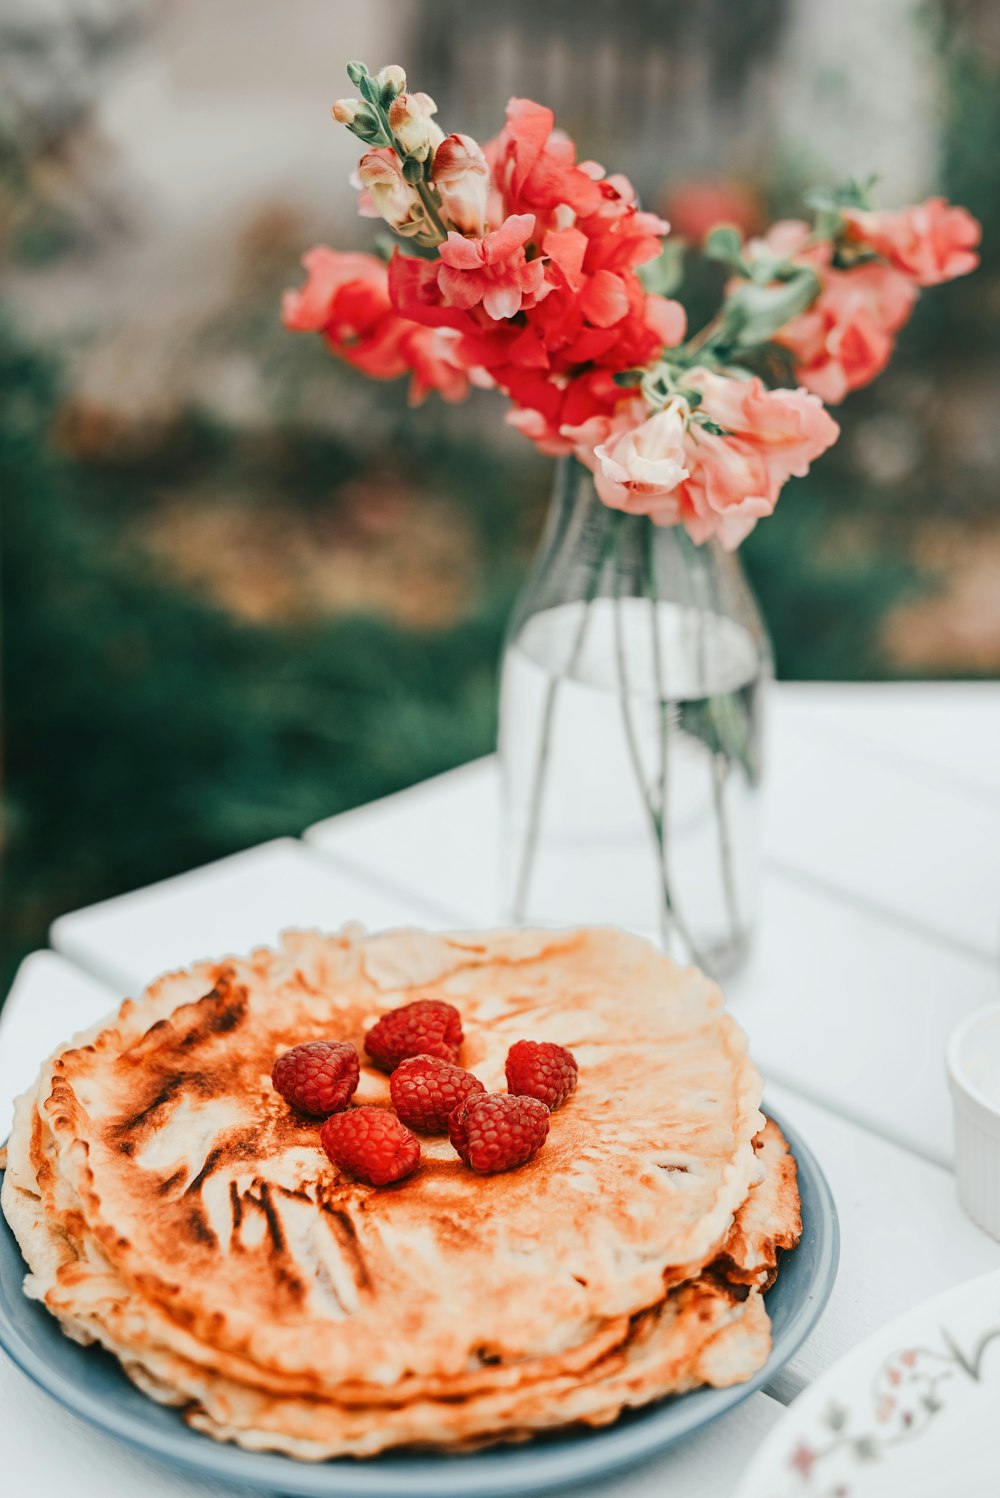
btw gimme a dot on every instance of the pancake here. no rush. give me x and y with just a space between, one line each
707 1331
172 1207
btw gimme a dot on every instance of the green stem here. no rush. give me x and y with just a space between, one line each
709 606
430 208
530 847
670 917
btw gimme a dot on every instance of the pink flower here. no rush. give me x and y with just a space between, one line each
533 425
638 467
769 436
671 467
493 270
930 242
847 336
462 177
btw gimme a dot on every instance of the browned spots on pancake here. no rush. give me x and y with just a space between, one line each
168 1185
199 1228
347 1236
263 1201
218 1013
214 1158
134 1121
298 1195
236 1205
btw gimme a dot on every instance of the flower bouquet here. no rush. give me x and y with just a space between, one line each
630 733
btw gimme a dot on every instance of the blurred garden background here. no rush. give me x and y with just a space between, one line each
244 588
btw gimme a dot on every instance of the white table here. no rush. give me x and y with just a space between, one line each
880 929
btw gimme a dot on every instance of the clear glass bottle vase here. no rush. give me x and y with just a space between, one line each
630 732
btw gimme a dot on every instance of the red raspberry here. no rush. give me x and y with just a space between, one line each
424 1028
538 1068
318 1077
372 1144
426 1091
497 1131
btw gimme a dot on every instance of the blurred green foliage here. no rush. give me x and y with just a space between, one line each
146 731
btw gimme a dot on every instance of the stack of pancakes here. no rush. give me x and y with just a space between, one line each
174 1209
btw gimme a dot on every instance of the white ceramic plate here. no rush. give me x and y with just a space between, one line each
913 1411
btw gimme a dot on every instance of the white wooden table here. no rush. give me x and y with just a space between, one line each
880 929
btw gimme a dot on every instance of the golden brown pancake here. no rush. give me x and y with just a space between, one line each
173 1207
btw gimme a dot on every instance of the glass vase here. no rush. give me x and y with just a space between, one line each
630 732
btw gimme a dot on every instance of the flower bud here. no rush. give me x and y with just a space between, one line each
391 81
462 177
379 173
346 111
359 119
412 125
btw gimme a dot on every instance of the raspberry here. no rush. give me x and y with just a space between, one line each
426 1091
497 1131
540 1069
318 1077
424 1028
371 1144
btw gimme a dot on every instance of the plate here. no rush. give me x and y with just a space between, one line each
912 1410
90 1383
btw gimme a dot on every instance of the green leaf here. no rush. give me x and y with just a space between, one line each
628 378
367 128
355 72
856 192
369 90
765 268
753 314
725 243
413 170
664 275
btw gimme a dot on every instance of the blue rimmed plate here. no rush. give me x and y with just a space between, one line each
91 1384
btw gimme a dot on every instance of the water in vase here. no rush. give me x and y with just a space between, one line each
621 718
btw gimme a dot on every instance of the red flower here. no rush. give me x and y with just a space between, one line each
535 166
346 297
434 357
620 235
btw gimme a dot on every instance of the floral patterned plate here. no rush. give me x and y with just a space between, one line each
912 1411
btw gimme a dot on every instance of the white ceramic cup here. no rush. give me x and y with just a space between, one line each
974 1080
